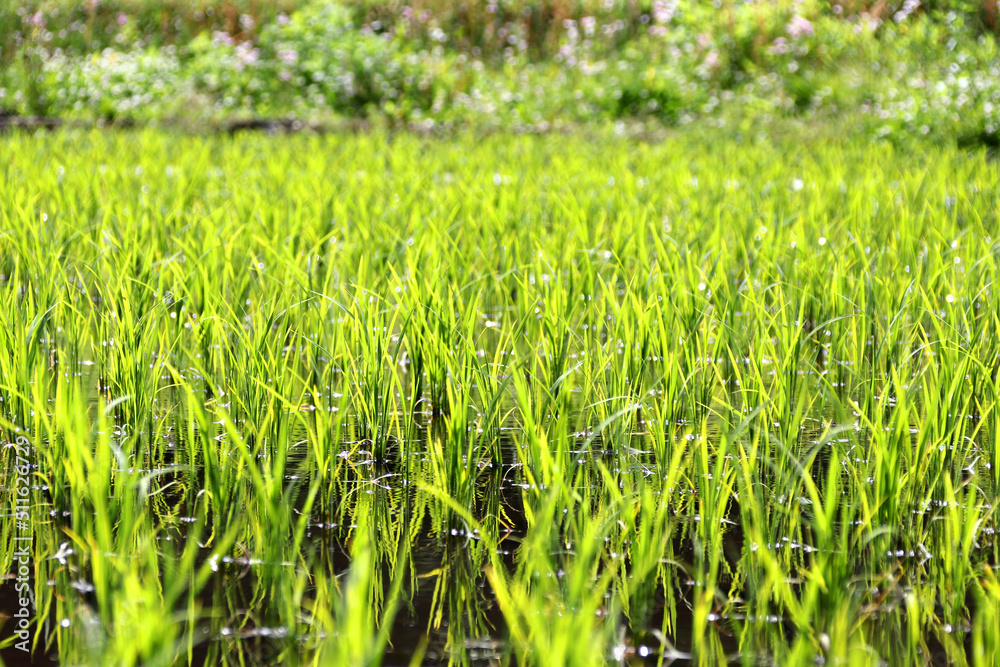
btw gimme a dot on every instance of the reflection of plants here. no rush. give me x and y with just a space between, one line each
356 630
559 607
103 563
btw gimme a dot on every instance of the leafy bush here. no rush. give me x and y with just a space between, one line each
901 67
317 58
106 85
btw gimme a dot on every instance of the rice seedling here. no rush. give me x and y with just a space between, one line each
388 399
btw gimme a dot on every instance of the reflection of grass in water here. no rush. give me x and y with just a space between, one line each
695 399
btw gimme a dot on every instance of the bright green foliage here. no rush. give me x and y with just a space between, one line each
537 400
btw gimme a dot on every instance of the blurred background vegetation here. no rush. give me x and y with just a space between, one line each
891 69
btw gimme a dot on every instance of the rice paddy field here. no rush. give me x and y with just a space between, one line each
497 400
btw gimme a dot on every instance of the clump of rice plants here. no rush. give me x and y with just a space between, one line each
388 399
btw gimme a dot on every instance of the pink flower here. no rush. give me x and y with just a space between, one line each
122 19
221 38
779 46
799 27
908 8
246 55
663 11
